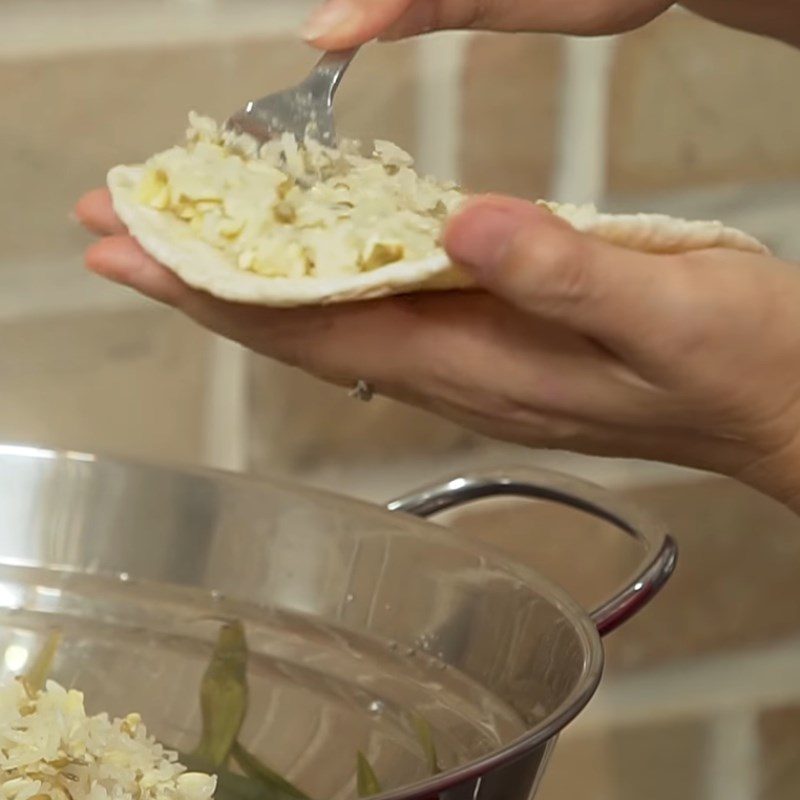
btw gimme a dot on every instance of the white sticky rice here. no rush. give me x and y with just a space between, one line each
51 750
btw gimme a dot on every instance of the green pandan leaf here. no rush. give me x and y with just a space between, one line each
366 779
223 696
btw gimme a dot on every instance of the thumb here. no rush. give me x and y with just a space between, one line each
541 264
339 24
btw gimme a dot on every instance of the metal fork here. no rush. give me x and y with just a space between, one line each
306 110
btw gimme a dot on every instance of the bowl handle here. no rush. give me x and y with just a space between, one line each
660 550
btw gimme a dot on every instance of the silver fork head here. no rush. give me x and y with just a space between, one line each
304 110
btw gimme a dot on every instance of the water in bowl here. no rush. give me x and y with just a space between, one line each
317 695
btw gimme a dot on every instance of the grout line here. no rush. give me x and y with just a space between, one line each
226 407
440 67
733 761
733 681
580 175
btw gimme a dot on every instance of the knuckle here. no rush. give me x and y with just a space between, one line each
564 433
685 342
552 265
690 311
477 13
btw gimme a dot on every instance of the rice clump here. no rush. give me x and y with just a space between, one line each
51 750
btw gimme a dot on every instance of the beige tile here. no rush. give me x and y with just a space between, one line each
48 26
378 98
736 582
92 111
586 557
693 103
77 115
128 383
510 118
780 743
300 424
663 760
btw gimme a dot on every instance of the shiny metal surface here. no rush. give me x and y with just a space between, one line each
356 617
305 109
659 555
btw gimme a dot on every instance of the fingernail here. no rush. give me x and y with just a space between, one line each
327 18
479 237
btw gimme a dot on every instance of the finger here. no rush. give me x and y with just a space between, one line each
122 260
95 211
442 349
540 264
346 23
281 333
338 24
475 335
325 341
322 340
469 357
423 16
538 373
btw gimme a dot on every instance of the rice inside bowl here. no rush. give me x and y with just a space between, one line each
51 750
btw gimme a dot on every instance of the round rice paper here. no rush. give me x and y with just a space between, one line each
286 226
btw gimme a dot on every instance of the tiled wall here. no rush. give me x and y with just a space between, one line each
663 119
682 117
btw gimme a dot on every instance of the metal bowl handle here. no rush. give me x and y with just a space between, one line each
660 550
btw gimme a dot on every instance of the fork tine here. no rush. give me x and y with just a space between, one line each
306 109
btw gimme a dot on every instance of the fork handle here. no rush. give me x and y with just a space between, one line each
332 66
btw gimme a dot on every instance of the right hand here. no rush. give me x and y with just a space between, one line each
340 24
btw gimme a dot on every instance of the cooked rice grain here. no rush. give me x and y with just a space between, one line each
50 748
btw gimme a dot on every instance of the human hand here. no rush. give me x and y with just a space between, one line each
576 344
775 18
344 23
340 24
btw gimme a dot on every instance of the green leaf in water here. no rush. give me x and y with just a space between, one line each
38 673
223 697
232 786
366 779
425 736
258 771
223 704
